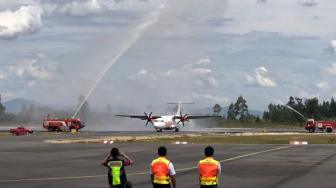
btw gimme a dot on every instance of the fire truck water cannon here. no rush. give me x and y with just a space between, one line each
63 124
325 126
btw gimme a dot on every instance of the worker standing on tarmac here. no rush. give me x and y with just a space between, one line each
116 163
209 169
162 171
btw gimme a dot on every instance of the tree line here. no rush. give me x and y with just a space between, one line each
237 111
296 110
308 108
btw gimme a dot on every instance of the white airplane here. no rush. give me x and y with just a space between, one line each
167 122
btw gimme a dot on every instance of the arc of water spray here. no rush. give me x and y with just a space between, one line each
289 107
131 38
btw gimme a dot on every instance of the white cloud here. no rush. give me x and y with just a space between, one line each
287 16
308 3
27 19
322 85
193 75
90 7
200 72
307 95
249 79
29 72
330 70
333 45
216 99
260 78
144 76
142 73
212 81
204 61
30 69
3 76
80 8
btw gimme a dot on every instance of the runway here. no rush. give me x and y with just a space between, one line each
30 162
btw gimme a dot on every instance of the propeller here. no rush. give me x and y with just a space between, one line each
149 118
183 118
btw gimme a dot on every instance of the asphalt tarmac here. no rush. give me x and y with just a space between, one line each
30 162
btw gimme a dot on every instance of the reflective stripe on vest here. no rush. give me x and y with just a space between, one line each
160 170
208 169
115 171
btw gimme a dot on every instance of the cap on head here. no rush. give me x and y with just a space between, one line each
209 151
162 151
114 152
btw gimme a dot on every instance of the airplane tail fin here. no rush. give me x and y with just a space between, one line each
179 105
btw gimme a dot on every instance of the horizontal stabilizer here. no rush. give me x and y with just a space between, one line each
180 103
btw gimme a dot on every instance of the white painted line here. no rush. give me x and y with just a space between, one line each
55 178
240 157
178 142
141 173
298 142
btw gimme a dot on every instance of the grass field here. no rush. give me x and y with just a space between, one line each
234 124
4 133
258 139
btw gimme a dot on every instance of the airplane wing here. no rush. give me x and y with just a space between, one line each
196 117
142 117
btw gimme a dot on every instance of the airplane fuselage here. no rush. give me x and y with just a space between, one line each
165 123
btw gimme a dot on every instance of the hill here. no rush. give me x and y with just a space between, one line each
16 105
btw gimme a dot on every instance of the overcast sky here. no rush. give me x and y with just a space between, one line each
198 51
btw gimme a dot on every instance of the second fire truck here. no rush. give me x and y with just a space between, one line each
62 124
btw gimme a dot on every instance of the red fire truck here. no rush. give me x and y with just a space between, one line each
325 126
66 124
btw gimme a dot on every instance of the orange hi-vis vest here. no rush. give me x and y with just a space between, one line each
208 169
160 170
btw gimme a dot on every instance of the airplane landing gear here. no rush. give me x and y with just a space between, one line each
158 130
177 129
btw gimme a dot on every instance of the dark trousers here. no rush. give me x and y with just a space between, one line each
209 186
127 185
161 185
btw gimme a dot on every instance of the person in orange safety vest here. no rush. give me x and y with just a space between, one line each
209 169
162 171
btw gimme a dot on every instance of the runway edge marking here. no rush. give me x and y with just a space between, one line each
144 173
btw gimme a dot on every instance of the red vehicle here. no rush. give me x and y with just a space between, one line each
325 126
19 131
66 124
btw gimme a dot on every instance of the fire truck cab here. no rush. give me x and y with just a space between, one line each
325 126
